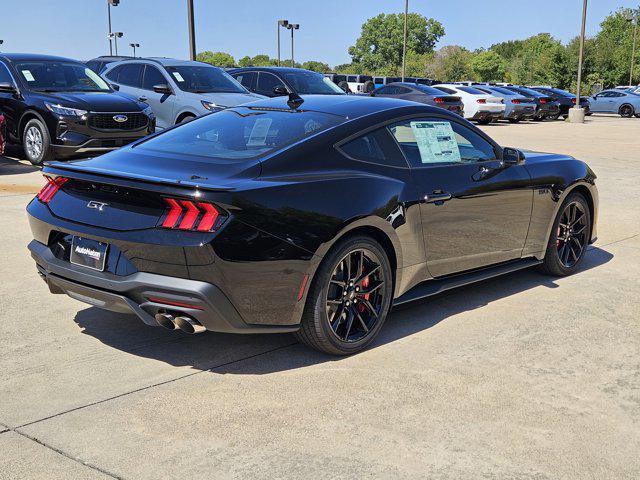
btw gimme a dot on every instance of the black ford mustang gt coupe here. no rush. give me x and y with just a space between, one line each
313 216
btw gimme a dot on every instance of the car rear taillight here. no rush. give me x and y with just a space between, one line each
51 188
543 101
516 102
573 100
438 100
189 215
482 100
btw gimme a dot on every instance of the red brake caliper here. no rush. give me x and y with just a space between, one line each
365 284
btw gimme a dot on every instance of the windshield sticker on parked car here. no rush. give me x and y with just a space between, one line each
436 142
28 75
258 135
178 76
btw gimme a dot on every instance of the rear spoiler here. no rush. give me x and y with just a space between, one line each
148 183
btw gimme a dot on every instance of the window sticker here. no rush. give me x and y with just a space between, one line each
28 75
436 142
258 135
178 76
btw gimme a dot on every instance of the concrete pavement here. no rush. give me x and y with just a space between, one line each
520 377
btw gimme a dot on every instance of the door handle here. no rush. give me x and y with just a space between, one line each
438 197
143 99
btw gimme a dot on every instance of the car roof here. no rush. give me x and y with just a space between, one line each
272 69
165 61
26 57
352 106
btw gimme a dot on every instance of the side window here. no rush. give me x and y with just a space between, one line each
247 79
385 91
113 74
5 76
617 94
130 74
267 82
152 77
402 90
438 141
375 147
352 79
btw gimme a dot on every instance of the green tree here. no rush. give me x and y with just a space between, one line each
245 61
451 63
488 66
379 47
263 60
316 66
219 59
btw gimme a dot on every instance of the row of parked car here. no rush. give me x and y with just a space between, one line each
58 107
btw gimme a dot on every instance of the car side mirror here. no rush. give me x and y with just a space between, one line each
163 88
280 90
512 156
8 87
115 86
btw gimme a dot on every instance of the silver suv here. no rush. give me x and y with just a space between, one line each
177 90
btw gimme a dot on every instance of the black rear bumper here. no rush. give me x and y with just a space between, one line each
139 293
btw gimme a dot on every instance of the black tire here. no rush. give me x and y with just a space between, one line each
484 121
316 330
36 142
637 115
627 111
538 119
553 259
553 117
514 120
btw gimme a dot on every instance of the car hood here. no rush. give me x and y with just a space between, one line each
95 101
231 99
540 157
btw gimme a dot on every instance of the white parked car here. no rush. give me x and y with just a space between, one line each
478 105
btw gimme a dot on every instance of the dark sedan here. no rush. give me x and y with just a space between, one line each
422 94
278 81
546 106
566 99
311 216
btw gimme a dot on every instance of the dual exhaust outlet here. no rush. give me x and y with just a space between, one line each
186 324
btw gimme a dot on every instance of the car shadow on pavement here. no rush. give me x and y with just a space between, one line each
12 163
227 353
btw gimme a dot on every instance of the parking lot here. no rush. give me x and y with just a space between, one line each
524 376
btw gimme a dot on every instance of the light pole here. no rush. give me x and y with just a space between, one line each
576 114
192 30
134 46
281 23
115 36
404 44
292 27
115 3
633 17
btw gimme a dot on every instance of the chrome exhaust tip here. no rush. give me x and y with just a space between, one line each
189 325
165 320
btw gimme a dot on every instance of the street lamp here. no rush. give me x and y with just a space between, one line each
111 3
633 17
281 23
192 30
292 27
115 36
134 46
404 44
576 114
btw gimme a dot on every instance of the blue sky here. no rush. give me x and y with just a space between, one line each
77 28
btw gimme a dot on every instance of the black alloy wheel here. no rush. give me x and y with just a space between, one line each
349 298
569 238
355 295
627 111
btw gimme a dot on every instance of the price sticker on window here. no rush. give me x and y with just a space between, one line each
28 75
436 142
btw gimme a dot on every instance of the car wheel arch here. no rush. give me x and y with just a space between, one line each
26 117
183 115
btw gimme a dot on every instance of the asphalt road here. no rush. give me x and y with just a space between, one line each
521 377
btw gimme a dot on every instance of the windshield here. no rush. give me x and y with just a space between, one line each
527 92
471 90
240 133
204 79
312 83
52 76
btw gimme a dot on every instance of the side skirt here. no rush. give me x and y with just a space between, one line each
435 286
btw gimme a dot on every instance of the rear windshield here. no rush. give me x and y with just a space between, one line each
240 133
503 91
428 90
471 90
312 83
528 92
204 79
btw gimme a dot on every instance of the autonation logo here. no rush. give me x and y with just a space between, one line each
89 252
